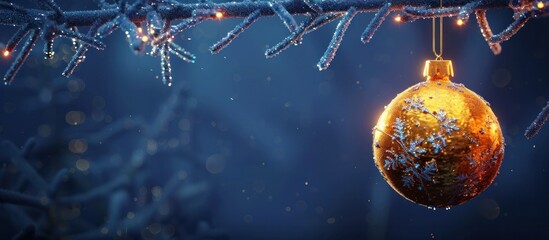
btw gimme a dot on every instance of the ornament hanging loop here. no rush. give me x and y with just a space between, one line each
438 69
438 54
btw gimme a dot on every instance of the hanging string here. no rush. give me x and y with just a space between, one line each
439 54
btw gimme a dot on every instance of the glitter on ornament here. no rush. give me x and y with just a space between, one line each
437 143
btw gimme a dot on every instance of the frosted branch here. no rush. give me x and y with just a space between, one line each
510 30
18 62
181 53
336 39
284 15
292 39
50 4
536 125
313 6
375 23
426 12
165 64
51 21
79 55
486 31
16 38
246 23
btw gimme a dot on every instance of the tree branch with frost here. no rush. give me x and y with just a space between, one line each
151 25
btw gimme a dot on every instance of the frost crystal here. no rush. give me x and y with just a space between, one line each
415 148
438 142
415 104
471 160
455 86
446 124
408 181
394 161
399 129
429 170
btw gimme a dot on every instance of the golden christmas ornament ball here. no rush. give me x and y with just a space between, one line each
438 143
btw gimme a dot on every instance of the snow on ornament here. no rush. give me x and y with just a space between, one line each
438 144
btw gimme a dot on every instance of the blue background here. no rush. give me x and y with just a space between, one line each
289 147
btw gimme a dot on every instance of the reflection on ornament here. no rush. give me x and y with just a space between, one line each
437 143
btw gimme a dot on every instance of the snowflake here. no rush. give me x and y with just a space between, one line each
429 170
438 142
399 129
462 177
455 86
484 100
394 161
441 115
469 191
408 181
446 124
414 147
421 84
497 155
471 160
471 139
466 186
415 104
414 172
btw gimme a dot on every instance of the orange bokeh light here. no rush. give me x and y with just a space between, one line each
6 53
460 22
540 5
398 18
218 15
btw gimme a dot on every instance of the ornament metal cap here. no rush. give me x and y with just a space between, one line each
436 70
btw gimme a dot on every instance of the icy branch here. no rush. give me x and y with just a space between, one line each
49 21
487 32
342 26
375 23
511 30
235 32
534 128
